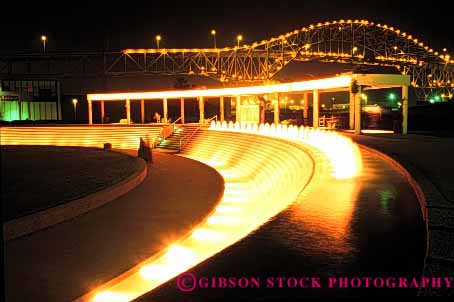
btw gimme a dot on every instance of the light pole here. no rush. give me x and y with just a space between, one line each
239 38
75 109
44 39
158 38
213 33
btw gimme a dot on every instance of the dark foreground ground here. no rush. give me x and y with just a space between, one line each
38 177
69 259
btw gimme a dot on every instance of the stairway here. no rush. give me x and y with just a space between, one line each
180 135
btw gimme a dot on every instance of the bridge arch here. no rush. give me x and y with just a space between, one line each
357 42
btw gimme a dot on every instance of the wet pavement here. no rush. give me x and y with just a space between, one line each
367 227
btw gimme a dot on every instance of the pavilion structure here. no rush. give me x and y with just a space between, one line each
271 92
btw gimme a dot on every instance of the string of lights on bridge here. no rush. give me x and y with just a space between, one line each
445 56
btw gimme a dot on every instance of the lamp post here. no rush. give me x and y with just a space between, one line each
239 38
213 33
158 38
75 108
44 39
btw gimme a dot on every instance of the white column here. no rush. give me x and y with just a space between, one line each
262 112
315 108
276 110
164 105
238 109
221 108
201 110
351 111
128 111
102 112
182 110
142 111
358 112
306 108
404 109
90 113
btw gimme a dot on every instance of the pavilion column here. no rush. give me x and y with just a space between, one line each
102 112
142 111
164 109
306 108
128 111
201 110
404 109
238 108
182 110
315 108
276 110
262 112
358 112
90 113
351 111
221 108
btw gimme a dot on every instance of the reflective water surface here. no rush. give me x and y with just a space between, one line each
368 226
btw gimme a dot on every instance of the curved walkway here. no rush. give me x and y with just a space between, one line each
429 160
71 258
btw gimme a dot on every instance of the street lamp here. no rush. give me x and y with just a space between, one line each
239 38
75 109
158 38
213 33
44 39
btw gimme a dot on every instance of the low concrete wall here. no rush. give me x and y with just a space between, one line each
49 217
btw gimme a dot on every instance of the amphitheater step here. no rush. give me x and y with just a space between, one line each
180 136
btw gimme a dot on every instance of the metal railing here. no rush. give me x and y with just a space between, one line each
168 130
185 141
208 120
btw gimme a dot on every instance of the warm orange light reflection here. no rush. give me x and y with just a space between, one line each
268 176
265 168
110 297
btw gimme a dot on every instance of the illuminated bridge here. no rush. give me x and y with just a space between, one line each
355 42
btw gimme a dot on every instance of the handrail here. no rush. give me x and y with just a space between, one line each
214 117
168 130
176 121
189 137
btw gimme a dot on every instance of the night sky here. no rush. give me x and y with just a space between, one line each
85 26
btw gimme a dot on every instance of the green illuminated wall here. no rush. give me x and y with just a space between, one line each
9 110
